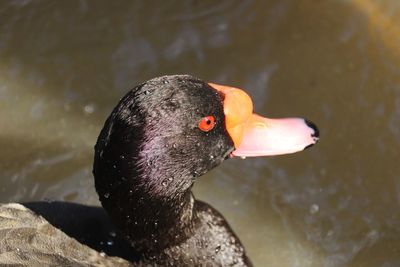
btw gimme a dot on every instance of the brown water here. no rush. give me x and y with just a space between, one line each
65 64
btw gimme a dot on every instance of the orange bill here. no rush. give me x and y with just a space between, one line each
254 135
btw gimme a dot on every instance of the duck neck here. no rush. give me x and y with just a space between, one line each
149 217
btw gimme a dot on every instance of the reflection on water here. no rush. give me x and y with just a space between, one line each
65 65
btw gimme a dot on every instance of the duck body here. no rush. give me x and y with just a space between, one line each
70 234
162 136
28 239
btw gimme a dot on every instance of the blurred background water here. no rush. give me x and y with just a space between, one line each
65 64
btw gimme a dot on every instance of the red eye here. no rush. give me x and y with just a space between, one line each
207 123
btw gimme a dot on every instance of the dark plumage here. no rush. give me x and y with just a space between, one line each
147 158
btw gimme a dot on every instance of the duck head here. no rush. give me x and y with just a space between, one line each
166 132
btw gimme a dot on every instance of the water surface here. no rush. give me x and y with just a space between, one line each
65 64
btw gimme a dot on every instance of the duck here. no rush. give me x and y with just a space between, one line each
159 139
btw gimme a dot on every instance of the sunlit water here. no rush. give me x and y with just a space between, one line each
65 64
